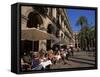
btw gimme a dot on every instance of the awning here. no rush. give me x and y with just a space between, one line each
35 34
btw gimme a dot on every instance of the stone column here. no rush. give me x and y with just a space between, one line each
60 19
54 12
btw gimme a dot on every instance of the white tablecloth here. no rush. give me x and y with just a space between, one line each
46 63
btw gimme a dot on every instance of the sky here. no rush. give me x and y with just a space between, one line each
74 14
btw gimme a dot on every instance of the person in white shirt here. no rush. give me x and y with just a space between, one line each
45 62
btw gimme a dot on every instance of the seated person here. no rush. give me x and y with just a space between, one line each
25 65
50 54
42 58
45 62
26 62
63 56
27 58
36 62
42 55
67 53
57 56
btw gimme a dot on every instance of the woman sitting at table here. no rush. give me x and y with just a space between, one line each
51 56
57 57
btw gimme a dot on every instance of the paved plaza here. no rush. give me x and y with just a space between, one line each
80 59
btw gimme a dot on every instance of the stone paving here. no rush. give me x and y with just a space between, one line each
80 59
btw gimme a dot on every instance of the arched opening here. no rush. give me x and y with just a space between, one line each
52 29
34 20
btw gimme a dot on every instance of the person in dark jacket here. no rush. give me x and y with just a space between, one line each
36 62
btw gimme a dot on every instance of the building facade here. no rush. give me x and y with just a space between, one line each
76 41
49 20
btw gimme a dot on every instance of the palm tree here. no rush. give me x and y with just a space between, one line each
83 40
92 37
86 38
82 21
86 35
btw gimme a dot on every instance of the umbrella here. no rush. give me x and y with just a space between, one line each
35 34
54 40
62 42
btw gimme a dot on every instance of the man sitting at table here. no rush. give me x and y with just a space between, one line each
36 62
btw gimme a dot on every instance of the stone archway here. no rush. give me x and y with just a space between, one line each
34 20
28 11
